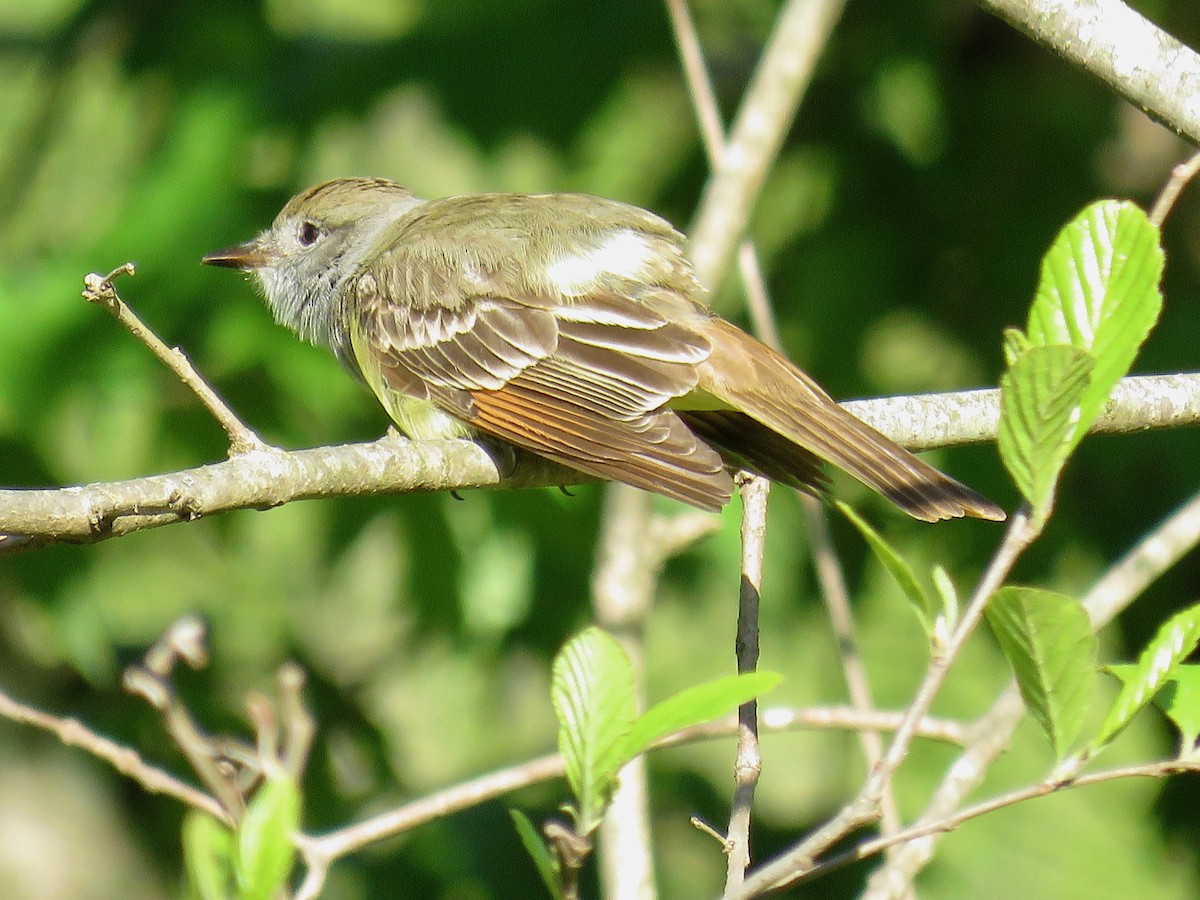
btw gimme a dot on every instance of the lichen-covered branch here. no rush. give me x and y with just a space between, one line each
265 478
1122 48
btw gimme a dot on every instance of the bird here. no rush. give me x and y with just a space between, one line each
570 326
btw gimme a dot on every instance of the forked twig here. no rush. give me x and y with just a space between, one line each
99 289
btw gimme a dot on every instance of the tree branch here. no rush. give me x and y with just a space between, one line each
766 113
1131 54
265 478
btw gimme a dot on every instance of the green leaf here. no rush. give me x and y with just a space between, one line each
1039 406
923 604
592 692
947 619
1155 666
207 857
696 704
547 865
1179 698
1049 641
265 852
1099 292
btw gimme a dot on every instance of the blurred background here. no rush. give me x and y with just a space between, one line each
934 158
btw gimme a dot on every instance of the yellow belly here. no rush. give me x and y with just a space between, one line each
420 419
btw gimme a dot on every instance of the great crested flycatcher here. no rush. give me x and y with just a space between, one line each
571 326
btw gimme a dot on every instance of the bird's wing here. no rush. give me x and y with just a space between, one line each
584 382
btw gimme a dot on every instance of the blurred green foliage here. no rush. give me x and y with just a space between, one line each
935 156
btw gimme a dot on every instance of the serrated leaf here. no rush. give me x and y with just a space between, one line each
265 852
592 692
1099 292
1156 664
207 857
1048 639
546 864
898 567
1039 407
696 704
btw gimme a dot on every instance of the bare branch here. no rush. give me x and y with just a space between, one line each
864 808
392 465
262 479
75 734
99 289
926 421
766 113
1122 48
747 763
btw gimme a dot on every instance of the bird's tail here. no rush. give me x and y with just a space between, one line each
763 384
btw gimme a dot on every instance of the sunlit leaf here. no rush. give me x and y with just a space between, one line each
1179 699
207 857
696 704
922 603
1039 407
593 697
265 851
1049 641
546 864
1099 293
1157 663
948 593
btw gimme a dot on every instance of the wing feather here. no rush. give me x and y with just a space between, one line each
585 383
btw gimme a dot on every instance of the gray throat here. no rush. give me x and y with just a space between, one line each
314 297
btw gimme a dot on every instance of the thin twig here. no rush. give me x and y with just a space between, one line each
695 70
747 763
203 754
99 289
992 734
433 806
864 808
801 32
299 728
704 100
128 762
854 671
1124 581
1042 789
1180 176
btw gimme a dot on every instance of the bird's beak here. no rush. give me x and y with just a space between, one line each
247 257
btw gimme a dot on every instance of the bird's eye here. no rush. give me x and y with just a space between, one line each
309 232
